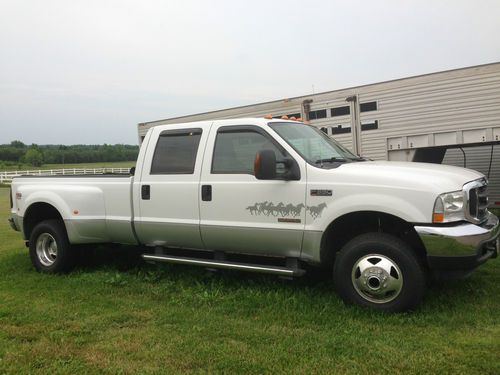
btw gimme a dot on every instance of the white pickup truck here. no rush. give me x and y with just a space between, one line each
269 196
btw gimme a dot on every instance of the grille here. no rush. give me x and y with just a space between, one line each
477 192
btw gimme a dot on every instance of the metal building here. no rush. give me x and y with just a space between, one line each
450 117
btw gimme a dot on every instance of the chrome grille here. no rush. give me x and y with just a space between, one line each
477 200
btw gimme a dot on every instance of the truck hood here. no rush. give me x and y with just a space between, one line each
409 175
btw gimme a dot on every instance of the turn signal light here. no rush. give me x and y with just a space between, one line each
438 218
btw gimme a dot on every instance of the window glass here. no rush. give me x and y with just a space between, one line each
368 106
316 115
340 111
175 152
310 142
369 125
235 151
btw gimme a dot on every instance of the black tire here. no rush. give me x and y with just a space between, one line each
50 250
379 271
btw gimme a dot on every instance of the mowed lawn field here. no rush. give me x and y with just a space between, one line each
116 314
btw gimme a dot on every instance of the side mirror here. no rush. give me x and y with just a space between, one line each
265 165
132 171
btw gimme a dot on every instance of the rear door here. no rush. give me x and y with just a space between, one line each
243 214
168 194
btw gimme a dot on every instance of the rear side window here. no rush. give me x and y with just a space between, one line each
175 152
234 151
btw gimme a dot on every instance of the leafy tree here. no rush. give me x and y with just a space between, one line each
17 144
34 157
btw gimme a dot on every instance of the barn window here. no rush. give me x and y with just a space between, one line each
341 111
316 115
369 125
341 129
368 106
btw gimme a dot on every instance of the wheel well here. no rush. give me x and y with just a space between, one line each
348 226
37 213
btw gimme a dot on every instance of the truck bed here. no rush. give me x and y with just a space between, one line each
95 208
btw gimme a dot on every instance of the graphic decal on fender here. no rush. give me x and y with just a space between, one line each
270 209
315 211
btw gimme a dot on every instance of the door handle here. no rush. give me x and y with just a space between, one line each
206 192
146 192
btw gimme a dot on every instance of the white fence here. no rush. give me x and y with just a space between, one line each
6 177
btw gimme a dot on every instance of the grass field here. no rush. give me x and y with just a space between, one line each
116 164
116 314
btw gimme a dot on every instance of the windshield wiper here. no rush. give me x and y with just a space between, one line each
358 159
330 160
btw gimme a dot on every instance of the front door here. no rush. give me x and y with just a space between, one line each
243 214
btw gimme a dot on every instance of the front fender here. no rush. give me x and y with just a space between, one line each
388 204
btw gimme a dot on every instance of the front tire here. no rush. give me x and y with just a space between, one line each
50 250
379 271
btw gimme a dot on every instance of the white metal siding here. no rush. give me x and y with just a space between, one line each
410 112
478 158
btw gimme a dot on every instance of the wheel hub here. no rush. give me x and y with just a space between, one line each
46 249
377 278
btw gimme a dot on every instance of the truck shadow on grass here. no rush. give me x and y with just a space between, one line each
126 266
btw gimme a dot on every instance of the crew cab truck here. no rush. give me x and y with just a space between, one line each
269 196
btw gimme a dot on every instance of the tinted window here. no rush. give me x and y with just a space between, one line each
372 125
339 129
176 151
315 115
235 151
341 111
368 106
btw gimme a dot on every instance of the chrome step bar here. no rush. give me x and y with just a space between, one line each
282 271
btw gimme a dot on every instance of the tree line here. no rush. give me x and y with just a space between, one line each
18 153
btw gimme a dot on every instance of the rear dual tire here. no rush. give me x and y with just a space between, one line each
49 247
379 271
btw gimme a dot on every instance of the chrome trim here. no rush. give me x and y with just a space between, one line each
377 278
476 184
225 265
46 249
464 239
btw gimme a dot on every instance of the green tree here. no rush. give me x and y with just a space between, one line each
33 157
17 144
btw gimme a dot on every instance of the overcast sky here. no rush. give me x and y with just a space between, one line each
89 71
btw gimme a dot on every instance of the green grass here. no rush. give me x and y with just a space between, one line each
116 164
115 314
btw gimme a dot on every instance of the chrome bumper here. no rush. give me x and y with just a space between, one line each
462 240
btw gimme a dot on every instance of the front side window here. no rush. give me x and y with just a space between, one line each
176 151
312 144
235 151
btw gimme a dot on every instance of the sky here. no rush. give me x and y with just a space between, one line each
87 72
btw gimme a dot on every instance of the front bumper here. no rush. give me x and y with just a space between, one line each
460 247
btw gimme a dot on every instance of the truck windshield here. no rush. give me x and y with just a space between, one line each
313 144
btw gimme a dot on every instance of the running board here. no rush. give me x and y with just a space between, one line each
282 271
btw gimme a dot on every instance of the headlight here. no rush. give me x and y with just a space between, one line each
449 207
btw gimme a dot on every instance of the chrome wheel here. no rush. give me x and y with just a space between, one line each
46 249
377 278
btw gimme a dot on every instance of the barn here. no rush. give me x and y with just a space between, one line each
450 117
